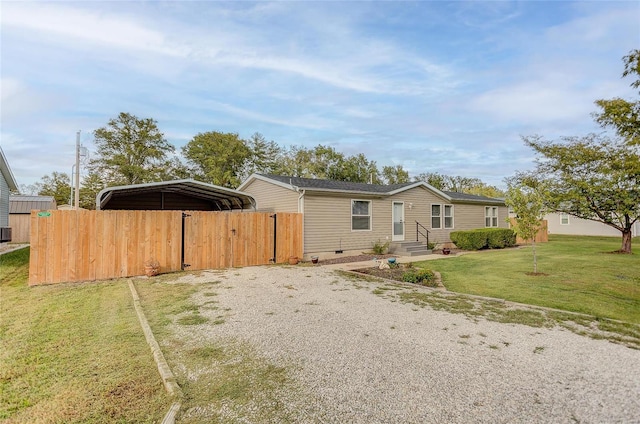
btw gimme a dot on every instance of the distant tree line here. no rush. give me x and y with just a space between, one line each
132 150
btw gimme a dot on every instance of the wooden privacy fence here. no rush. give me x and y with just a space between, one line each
81 245
542 236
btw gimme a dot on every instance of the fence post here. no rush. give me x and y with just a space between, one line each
182 264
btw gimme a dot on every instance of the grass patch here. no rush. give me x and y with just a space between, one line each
192 319
57 361
627 334
223 381
580 276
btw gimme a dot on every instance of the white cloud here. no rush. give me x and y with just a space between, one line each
82 25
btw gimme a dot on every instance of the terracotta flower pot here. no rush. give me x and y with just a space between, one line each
293 260
150 271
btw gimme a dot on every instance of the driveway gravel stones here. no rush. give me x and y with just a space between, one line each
362 357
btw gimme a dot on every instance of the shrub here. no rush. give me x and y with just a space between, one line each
499 238
484 238
379 248
469 240
424 277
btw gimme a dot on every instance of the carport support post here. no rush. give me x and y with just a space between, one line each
182 264
275 236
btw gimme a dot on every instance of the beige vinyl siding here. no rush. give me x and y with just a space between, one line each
466 216
271 197
327 220
578 226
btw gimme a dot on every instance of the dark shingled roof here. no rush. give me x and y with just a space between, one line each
346 186
472 197
330 185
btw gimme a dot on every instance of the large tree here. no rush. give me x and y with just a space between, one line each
130 150
90 186
58 185
621 115
591 177
217 158
394 175
263 158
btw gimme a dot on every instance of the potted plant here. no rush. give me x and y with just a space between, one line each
151 267
314 259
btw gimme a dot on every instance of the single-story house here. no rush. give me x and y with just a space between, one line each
7 184
563 223
345 217
20 208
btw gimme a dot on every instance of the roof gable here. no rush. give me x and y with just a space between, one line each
6 172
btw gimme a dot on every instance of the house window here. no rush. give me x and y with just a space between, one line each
490 216
435 216
360 215
564 219
448 216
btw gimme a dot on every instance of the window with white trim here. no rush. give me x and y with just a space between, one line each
448 216
360 215
564 219
491 216
436 214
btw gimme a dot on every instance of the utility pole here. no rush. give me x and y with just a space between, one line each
77 184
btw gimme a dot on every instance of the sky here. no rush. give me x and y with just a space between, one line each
447 87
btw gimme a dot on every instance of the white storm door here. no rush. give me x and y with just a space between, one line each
398 221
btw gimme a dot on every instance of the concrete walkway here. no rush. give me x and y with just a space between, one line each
10 247
348 266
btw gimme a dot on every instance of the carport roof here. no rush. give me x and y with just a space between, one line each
221 197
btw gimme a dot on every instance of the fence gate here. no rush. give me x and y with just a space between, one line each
81 245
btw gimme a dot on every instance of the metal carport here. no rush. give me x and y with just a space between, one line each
185 194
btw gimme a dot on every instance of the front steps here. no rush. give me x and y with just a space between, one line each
409 248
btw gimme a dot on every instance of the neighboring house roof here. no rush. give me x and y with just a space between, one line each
19 204
331 186
6 172
131 196
473 198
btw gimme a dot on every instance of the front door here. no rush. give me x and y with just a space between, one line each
398 221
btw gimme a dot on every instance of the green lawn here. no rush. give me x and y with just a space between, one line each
581 275
73 353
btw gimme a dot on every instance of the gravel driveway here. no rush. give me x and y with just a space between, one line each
363 357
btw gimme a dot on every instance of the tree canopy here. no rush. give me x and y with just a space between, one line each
131 150
58 185
459 184
217 158
591 177
623 116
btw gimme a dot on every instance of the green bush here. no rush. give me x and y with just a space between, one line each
469 240
424 277
380 248
484 238
499 238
